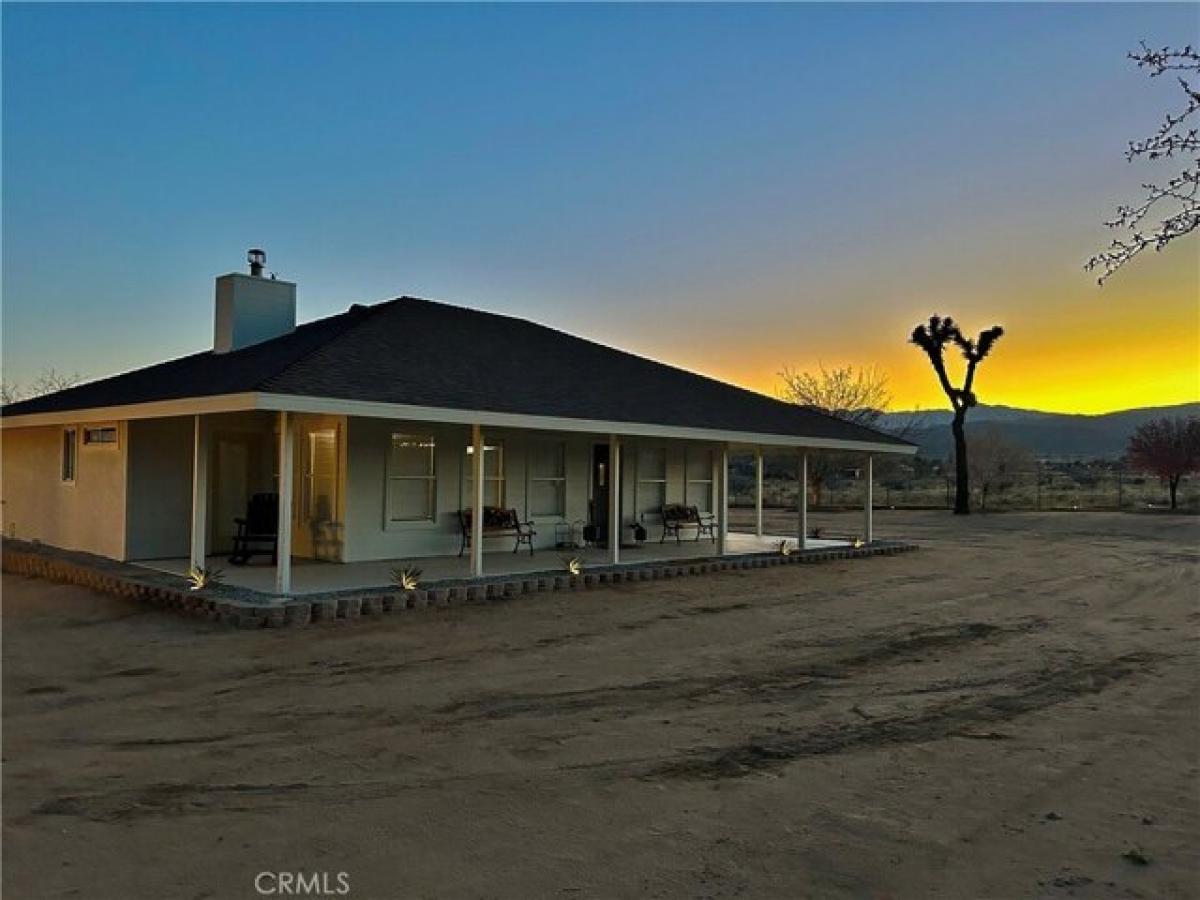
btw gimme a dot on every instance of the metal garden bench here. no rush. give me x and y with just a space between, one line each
498 522
677 516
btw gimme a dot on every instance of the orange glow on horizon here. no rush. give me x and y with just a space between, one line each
1071 349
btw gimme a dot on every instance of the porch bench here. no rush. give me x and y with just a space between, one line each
498 522
259 529
677 516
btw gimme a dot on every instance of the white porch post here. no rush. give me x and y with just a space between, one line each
614 499
283 561
723 502
802 500
868 513
758 491
477 470
199 546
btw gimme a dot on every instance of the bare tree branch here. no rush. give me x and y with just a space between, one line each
48 382
856 395
1176 201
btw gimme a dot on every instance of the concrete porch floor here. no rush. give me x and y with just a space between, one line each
315 577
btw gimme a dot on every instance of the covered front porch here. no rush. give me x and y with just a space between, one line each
321 577
358 496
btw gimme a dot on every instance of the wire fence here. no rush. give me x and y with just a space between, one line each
1052 486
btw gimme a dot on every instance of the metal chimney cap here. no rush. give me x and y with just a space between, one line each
257 259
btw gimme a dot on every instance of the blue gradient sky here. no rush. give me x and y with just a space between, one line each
729 188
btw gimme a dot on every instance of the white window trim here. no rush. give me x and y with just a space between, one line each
100 445
710 482
430 521
307 478
468 472
73 430
639 480
531 479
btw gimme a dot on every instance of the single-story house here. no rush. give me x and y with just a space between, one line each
393 431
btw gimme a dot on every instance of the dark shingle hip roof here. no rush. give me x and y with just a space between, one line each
420 353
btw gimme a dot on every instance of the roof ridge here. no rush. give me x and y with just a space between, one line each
356 315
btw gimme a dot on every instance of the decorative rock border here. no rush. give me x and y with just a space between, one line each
234 608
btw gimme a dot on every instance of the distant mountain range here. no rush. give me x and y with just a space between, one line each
1049 435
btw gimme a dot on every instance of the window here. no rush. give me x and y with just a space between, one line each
651 480
493 476
320 476
698 490
411 483
548 479
104 435
68 454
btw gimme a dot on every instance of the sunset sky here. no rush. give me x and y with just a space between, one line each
731 189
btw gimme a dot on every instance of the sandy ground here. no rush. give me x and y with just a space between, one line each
1010 712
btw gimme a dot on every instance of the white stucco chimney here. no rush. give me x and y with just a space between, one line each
251 309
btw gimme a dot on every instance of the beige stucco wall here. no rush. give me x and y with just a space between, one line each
87 514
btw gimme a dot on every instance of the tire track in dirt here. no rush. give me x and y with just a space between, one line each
881 648
1030 692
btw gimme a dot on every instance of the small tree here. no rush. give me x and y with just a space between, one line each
933 338
853 395
1174 202
996 462
48 382
1168 448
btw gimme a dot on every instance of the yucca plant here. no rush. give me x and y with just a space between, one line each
573 564
856 543
201 577
407 578
785 548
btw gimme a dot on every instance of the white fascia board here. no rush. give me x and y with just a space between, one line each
242 402
373 410
188 406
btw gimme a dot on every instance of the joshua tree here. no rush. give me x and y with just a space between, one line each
1168 448
933 339
1174 202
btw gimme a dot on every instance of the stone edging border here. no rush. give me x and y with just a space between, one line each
120 580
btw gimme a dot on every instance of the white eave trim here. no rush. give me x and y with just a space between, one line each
188 406
242 402
373 410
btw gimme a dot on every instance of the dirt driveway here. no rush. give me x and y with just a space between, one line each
1010 712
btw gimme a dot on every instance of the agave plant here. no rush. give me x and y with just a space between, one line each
407 578
573 564
201 577
785 548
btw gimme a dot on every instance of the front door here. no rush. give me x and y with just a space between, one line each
601 472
